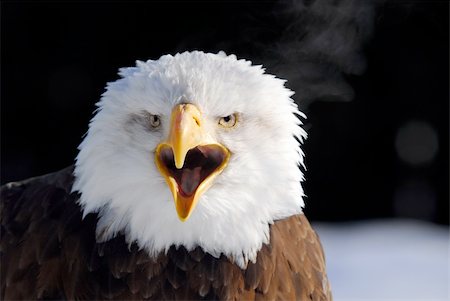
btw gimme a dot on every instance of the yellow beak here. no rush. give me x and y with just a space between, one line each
189 160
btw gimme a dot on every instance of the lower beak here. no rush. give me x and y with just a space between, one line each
188 160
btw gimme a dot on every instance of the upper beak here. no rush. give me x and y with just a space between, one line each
189 160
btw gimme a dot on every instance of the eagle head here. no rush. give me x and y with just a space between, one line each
194 150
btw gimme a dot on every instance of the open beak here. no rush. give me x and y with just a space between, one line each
188 159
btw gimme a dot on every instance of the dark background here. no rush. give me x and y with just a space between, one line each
372 77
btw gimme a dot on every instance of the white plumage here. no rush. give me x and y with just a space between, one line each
116 173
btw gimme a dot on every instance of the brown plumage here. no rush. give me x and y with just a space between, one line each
49 252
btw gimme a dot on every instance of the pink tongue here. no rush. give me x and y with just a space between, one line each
190 179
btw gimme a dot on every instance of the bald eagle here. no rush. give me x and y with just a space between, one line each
187 186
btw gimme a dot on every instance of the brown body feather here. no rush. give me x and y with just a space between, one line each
49 252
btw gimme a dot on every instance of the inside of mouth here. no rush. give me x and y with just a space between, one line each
199 163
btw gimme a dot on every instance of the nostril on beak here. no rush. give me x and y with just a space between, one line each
196 120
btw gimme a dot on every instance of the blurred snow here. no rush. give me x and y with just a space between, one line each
387 260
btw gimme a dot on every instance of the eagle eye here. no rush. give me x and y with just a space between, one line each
228 121
154 120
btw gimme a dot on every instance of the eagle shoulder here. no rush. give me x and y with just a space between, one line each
41 226
292 267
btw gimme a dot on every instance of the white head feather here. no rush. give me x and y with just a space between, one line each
116 174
